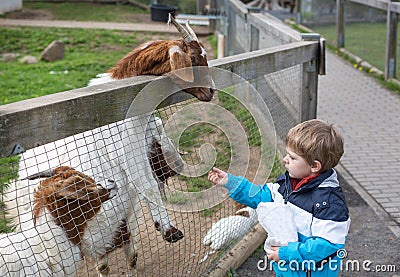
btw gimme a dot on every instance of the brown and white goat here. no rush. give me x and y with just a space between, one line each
114 151
186 59
64 203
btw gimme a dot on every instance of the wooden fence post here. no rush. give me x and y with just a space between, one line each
340 23
298 12
391 43
310 81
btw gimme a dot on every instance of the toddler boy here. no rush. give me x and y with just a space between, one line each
311 189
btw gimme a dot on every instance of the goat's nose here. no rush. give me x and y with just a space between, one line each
113 191
212 91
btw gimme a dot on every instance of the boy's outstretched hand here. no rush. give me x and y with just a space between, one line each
274 255
217 176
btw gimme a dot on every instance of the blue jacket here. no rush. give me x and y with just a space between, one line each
320 214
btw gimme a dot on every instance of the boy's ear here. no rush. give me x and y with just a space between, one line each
316 167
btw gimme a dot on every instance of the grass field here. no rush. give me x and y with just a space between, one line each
87 53
366 40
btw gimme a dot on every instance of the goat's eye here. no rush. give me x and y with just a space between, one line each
192 59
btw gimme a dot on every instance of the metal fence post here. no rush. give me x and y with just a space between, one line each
391 43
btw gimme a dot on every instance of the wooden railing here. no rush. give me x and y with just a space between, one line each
29 123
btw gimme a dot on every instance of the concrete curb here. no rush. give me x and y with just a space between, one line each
375 206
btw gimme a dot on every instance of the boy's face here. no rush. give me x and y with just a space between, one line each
297 166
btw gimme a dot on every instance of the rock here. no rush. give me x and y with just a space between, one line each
53 52
9 57
29 60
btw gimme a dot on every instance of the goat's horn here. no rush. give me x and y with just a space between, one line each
191 32
46 173
185 34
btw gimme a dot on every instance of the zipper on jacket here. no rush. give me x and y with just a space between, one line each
287 197
289 194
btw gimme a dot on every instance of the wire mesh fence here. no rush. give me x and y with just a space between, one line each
365 31
160 228
132 197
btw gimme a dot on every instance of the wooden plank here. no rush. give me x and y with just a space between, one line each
265 61
380 4
395 7
37 121
240 252
266 22
299 20
372 3
193 19
239 7
309 91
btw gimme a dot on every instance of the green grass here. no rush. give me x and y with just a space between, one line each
87 53
243 115
8 171
87 11
191 139
179 198
213 40
210 211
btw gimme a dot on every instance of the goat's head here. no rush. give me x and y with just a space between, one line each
189 64
164 164
184 60
70 196
164 159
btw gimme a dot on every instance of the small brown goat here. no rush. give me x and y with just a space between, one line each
63 204
164 56
71 197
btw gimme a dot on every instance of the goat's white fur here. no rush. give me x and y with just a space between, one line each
101 78
113 151
42 249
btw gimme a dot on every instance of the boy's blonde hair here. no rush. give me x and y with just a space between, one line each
316 140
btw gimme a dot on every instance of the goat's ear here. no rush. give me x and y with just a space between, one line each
181 65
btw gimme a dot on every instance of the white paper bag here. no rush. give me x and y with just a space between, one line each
277 219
